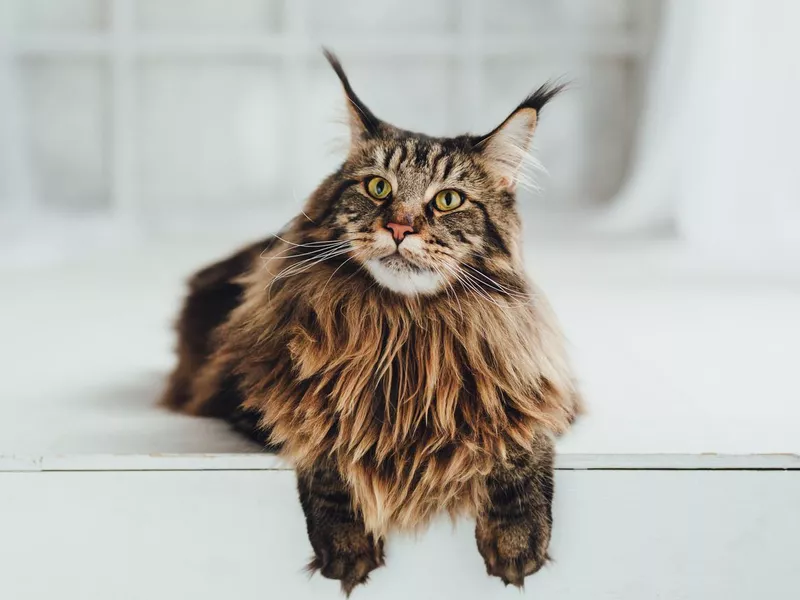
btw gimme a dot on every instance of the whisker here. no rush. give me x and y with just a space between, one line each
282 256
470 284
480 285
449 289
458 278
312 243
308 263
477 283
336 270
498 286
490 282
277 237
299 201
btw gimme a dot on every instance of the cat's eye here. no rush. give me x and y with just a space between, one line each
448 200
378 188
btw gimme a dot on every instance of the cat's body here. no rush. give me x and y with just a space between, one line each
389 345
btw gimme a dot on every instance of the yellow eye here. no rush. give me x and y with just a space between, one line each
378 188
448 200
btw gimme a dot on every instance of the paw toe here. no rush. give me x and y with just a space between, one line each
350 568
512 563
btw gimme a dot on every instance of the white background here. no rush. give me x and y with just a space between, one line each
182 115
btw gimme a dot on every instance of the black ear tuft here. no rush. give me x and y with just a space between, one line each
507 145
543 95
534 101
358 110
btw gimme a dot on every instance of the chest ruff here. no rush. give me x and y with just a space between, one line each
415 402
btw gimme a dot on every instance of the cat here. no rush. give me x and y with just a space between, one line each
388 344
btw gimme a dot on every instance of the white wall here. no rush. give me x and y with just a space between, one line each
169 113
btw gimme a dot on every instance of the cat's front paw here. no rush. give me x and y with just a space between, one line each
512 551
347 555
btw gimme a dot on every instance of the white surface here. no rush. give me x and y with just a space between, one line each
673 360
254 461
206 536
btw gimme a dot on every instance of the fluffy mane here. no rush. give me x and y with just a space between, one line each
391 340
416 398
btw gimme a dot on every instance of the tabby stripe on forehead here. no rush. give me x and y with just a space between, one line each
491 230
436 158
388 158
448 166
403 154
421 154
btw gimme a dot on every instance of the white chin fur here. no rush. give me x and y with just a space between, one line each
404 280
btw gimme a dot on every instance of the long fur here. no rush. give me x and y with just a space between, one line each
417 399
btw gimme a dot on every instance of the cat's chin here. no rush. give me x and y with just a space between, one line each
398 275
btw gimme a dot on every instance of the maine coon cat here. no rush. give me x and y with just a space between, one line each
389 345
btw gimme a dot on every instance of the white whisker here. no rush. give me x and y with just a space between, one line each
311 243
498 286
336 270
282 256
308 263
471 285
450 290
478 284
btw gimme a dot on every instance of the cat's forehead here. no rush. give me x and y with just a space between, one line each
417 153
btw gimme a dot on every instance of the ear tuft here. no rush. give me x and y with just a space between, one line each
543 95
362 122
507 146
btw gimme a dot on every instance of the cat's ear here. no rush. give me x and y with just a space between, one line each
507 146
363 124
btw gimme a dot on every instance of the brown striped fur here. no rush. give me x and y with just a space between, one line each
417 402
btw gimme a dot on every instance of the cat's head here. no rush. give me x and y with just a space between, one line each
422 215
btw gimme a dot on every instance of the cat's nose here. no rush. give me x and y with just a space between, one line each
399 231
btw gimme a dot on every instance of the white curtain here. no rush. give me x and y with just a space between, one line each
717 149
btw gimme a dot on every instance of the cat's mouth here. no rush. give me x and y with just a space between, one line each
398 263
399 274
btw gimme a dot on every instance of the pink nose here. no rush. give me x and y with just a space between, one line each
399 232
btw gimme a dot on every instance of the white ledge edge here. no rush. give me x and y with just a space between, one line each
269 462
